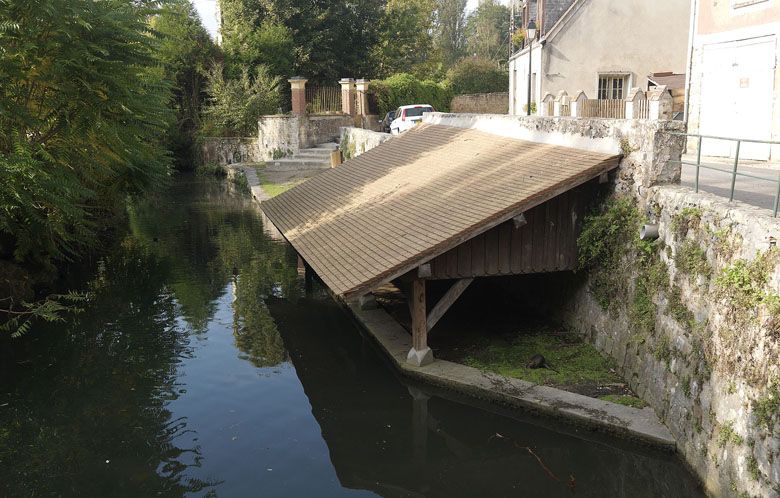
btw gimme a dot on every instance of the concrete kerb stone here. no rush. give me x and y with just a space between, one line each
637 424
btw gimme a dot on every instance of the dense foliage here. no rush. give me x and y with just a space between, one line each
477 75
83 105
402 89
235 104
186 52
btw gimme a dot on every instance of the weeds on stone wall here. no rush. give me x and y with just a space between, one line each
743 287
279 153
241 182
610 248
691 259
727 434
687 219
766 409
348 148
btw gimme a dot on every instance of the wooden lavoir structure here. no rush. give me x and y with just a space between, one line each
441 202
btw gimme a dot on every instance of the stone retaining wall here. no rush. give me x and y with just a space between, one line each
220 150
701 341
355 141
278 136
489 103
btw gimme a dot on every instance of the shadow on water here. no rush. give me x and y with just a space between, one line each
198 369
399 440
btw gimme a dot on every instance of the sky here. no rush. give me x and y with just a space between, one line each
208 13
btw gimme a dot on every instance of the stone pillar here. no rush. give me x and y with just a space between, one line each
578 104
361 86
560 101
298 93
347 96
545 110
660 103
632 103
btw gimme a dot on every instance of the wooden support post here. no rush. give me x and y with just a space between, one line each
420 354
452 295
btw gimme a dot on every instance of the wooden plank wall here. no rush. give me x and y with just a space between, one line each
547 243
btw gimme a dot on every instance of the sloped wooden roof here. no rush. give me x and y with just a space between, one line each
396 206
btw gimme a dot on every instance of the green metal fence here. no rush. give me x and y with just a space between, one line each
734 171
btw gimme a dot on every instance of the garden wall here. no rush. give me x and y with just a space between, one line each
220 150
691 319
283 134
488 103
355 141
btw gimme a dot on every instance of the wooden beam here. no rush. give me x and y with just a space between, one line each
419 323
424 270
452 295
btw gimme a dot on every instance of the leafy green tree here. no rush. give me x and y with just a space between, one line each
487 31
450 29
405 41
235 104
477 75
268 44
82 106
186 52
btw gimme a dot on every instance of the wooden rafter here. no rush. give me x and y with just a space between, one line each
452 295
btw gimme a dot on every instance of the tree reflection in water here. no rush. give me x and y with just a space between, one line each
86 406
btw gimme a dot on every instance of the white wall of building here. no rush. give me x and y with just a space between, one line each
633 37
518 80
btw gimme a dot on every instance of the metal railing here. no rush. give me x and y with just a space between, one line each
734 171
323 99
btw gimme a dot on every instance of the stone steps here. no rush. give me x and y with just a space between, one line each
317 157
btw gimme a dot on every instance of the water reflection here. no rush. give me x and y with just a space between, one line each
403 441
82 402
200 369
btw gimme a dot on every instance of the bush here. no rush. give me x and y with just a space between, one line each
477 75
404 89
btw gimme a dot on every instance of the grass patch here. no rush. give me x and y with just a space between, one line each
624 399
576 362
274 189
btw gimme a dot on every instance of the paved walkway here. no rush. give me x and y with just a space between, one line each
751 191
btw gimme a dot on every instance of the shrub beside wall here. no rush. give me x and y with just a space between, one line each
405 89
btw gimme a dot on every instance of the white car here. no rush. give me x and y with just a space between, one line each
407 116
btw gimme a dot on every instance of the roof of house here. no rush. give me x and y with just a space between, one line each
416 196
671 80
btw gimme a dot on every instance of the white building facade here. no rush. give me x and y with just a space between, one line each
602 47
734 85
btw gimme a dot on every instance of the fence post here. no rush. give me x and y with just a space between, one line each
298 93
347 96
578 104
560 101
546 101
632 103
660 103
361 86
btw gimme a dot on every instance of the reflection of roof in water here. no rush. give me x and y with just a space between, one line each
381 439
418 195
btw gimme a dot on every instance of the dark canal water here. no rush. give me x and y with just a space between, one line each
200 367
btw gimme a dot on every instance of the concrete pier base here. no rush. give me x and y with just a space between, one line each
420 357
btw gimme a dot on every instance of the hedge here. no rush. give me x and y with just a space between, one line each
476 75
405 89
